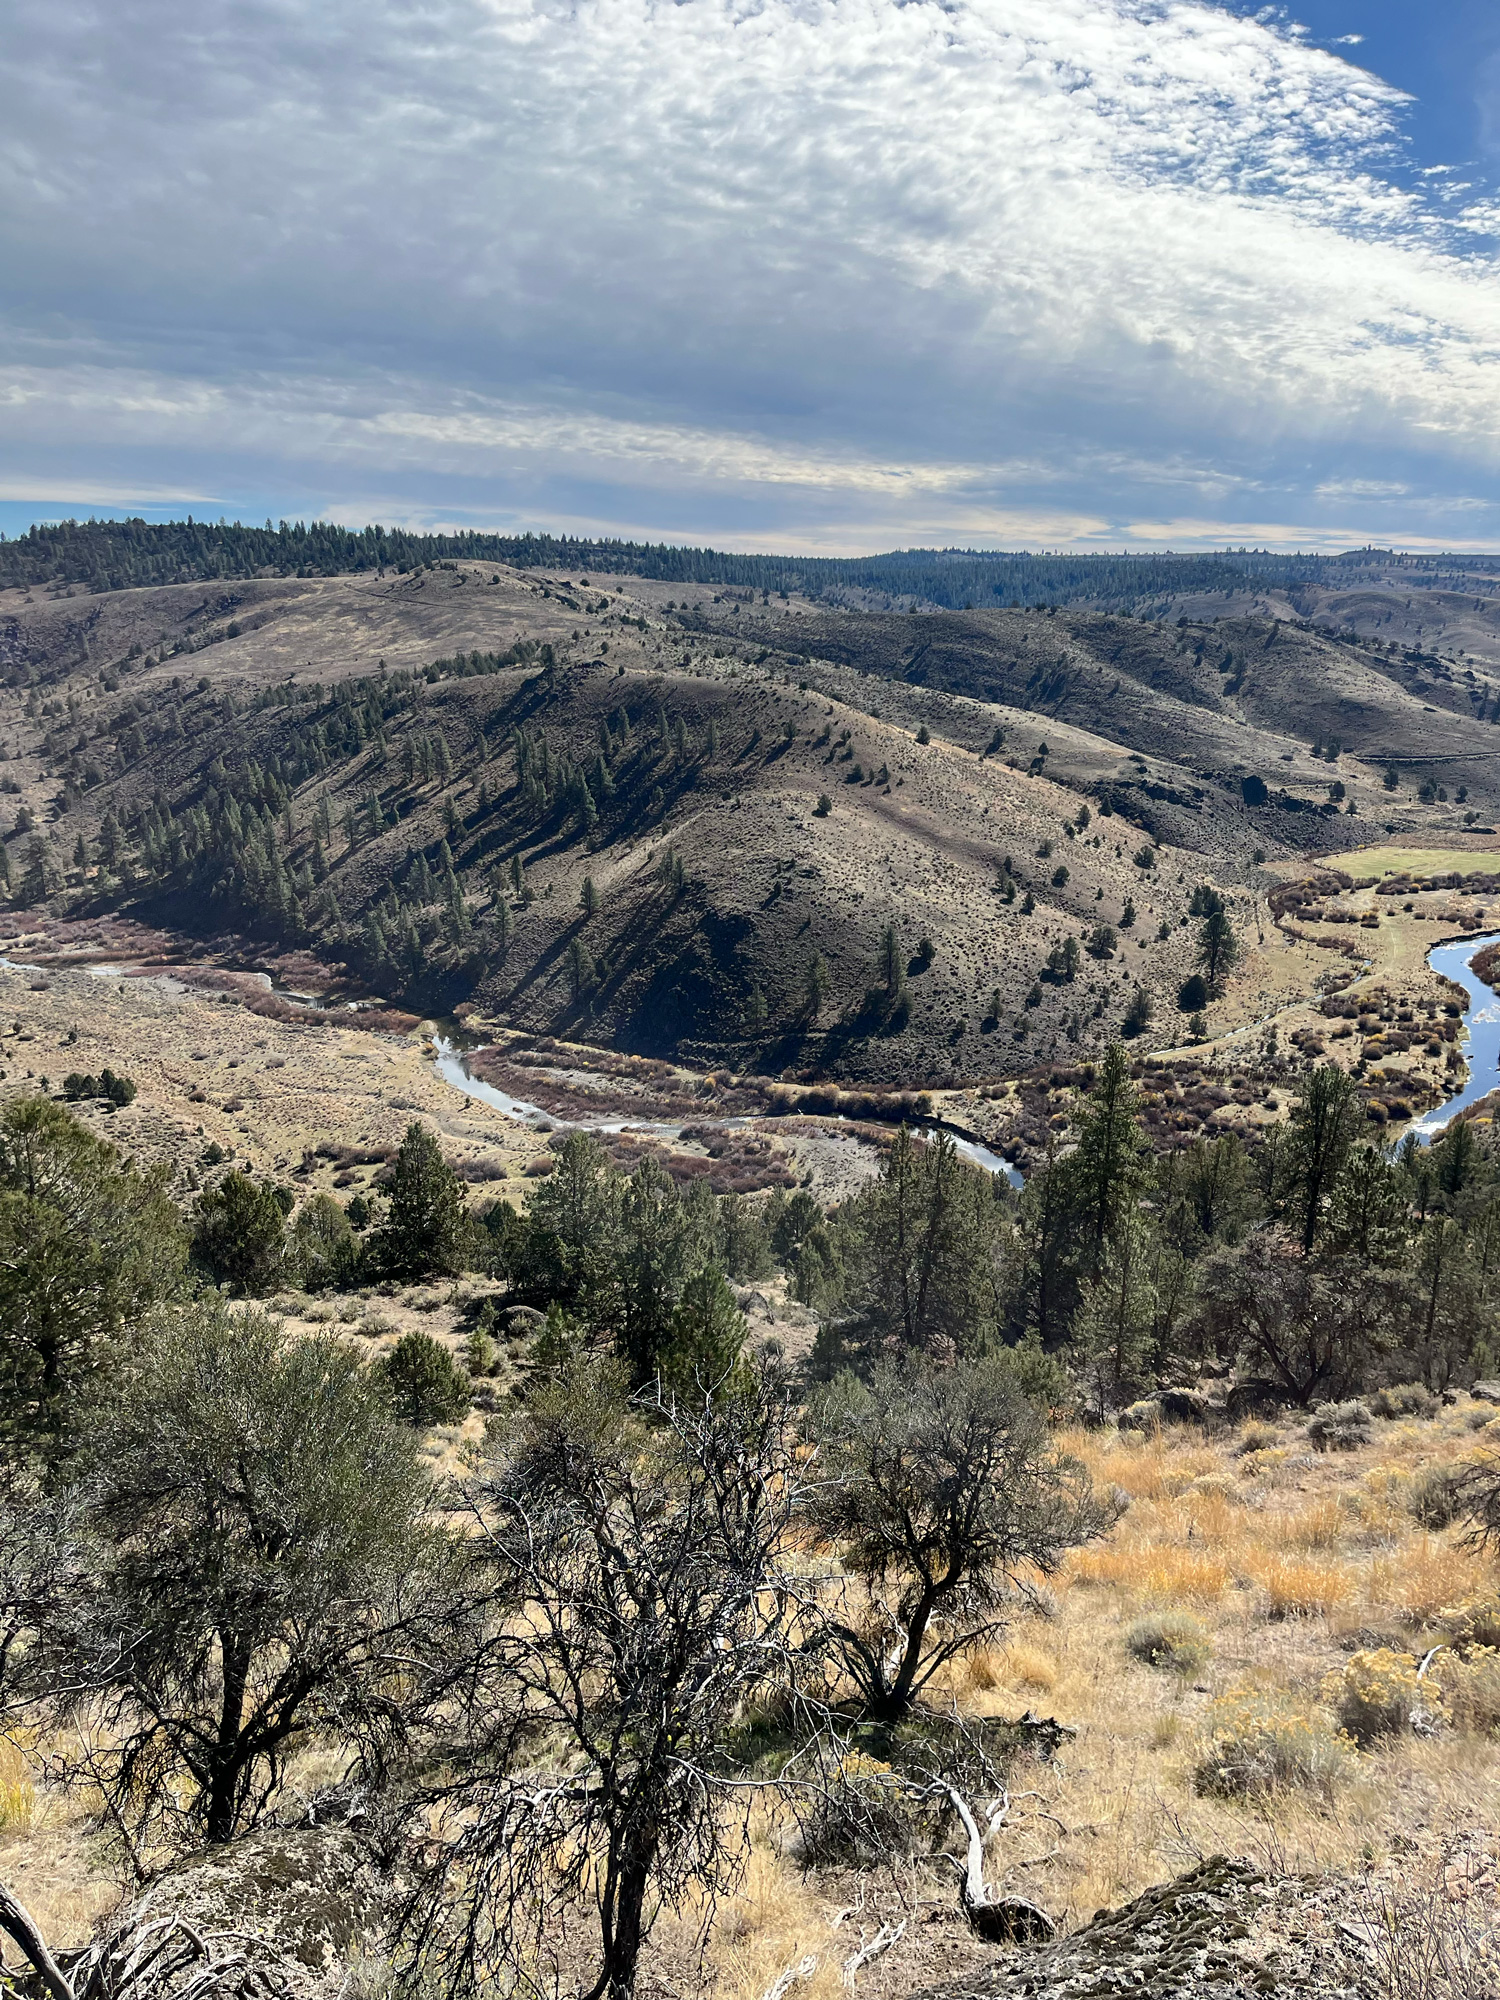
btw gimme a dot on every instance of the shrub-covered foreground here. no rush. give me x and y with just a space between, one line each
688 1617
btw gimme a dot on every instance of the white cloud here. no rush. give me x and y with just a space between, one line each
753 267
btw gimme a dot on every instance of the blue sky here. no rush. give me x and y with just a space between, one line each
828 274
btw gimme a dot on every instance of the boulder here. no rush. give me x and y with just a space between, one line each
1254 1399
286 1913
1182 1406
1191 1939
1487 1392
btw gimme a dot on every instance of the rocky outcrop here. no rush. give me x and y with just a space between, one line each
284 1914
1219 1932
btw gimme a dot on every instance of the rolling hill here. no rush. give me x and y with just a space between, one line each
680 818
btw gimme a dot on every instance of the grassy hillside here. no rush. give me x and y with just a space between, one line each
357 766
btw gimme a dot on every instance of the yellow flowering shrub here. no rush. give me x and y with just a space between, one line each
1259 1744
1474 1622
1378 1694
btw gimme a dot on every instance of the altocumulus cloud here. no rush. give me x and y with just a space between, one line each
829 273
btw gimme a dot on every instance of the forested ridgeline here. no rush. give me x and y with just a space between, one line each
123 555
500 828
680 1591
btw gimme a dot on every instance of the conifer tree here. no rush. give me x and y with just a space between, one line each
427 1222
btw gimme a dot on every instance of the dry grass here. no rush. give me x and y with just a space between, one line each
17 1795
1419 1580
1296 1588
775 1922
1160 1575
1279 1556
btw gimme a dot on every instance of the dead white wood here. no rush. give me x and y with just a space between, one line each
803 1970
884 1938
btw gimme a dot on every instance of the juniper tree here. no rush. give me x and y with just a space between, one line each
239 1234
427 1221
658 1564
938 1486
262 1574
1325 1120
87 1244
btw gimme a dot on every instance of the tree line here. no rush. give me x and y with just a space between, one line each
680 1583
131 554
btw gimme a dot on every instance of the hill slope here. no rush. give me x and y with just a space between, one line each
353 766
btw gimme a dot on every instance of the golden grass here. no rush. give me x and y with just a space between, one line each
1420 1579
773 1923
1319 1526
1158 1574
17 1795
1156 1469
1298 1588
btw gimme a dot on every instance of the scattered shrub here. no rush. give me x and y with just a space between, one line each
1255 1437
1260 1744
1473 1624
1340 1426
1404 1399
480 1353
1378 1694
1435 1495
1172 1640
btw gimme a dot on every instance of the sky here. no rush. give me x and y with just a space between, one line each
824 275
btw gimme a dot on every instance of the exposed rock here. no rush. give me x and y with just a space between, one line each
1487 1392
1254 1399
1182 1406
287 1913
1202 1937
1012 1920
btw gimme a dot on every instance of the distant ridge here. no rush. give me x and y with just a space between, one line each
103 555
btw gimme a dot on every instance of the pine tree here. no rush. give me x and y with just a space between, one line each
588 898
427 1223
1218 947
1106 1169
580 969
1114 1327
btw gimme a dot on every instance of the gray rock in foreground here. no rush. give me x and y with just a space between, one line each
283 1914
1217 1933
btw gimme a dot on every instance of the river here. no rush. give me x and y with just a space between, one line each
452 1066
1482 1051
1482 1023
1482 1036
